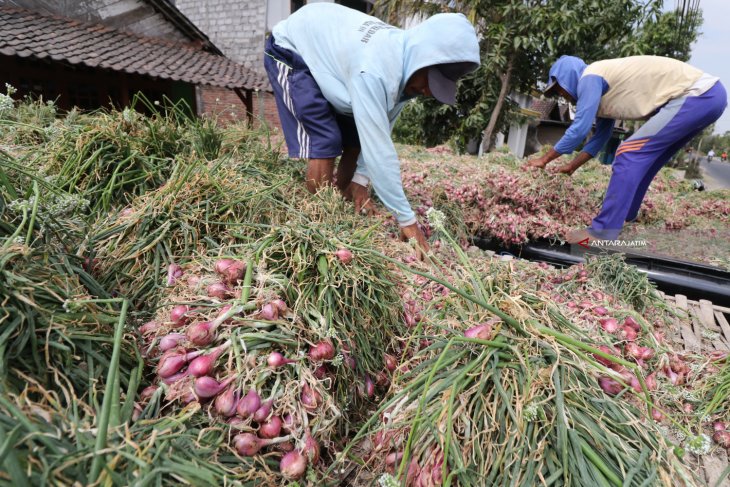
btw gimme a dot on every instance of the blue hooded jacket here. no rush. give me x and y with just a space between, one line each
587 92
362 65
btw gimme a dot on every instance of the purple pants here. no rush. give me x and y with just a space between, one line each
640 157
312 128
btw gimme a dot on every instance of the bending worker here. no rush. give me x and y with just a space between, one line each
677 99
340 79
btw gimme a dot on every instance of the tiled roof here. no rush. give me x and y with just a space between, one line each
544 107
26 33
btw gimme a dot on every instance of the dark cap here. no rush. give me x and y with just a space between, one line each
442 79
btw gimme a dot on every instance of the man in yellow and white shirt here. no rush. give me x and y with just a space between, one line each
677 100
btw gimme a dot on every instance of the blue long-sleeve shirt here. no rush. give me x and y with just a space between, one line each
362 66
590 89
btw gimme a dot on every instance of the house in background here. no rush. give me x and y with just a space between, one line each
240 29
547 121
97 53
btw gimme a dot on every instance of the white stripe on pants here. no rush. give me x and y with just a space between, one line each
302 136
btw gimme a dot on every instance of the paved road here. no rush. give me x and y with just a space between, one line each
719 171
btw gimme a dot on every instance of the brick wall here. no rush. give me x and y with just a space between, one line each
224 105
236 28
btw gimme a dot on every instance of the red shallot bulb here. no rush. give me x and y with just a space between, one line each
204 364
247 444
206 387
600 310
231 270
344 255
269 312
225 404
201 333
270 428
275 360
719 426
483 331
169 380
627 333
657 415
248 404
603 360
174 272
219 290
609 325
310 398
722 438
311 448
279 304
170 341
221 265
149 327
629 321
391 363
293 465
263 412
393 457
170 363
148 391
321 372
610 386
178 315
651 381
323 350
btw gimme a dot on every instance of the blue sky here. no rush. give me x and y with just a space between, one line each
711 52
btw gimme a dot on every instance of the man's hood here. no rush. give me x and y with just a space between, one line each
567 71
441 39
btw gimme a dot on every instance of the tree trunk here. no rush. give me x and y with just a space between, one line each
488 132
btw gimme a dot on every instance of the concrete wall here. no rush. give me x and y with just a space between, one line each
236 28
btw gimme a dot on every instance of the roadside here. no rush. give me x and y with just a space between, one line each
716 174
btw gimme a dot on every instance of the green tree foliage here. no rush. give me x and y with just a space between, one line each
519 39
660 36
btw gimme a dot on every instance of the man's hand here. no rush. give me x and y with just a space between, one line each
412 231
539 163
360 196
543 161
566 169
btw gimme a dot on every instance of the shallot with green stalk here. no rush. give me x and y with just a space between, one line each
276 360
172 361
248 444
205 364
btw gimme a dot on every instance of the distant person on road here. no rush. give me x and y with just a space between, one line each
723 156
710 155
340 79
678 100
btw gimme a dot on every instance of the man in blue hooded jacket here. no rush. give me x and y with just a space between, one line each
340 79
678 100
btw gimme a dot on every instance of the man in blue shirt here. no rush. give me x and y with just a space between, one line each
340 79
677 100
